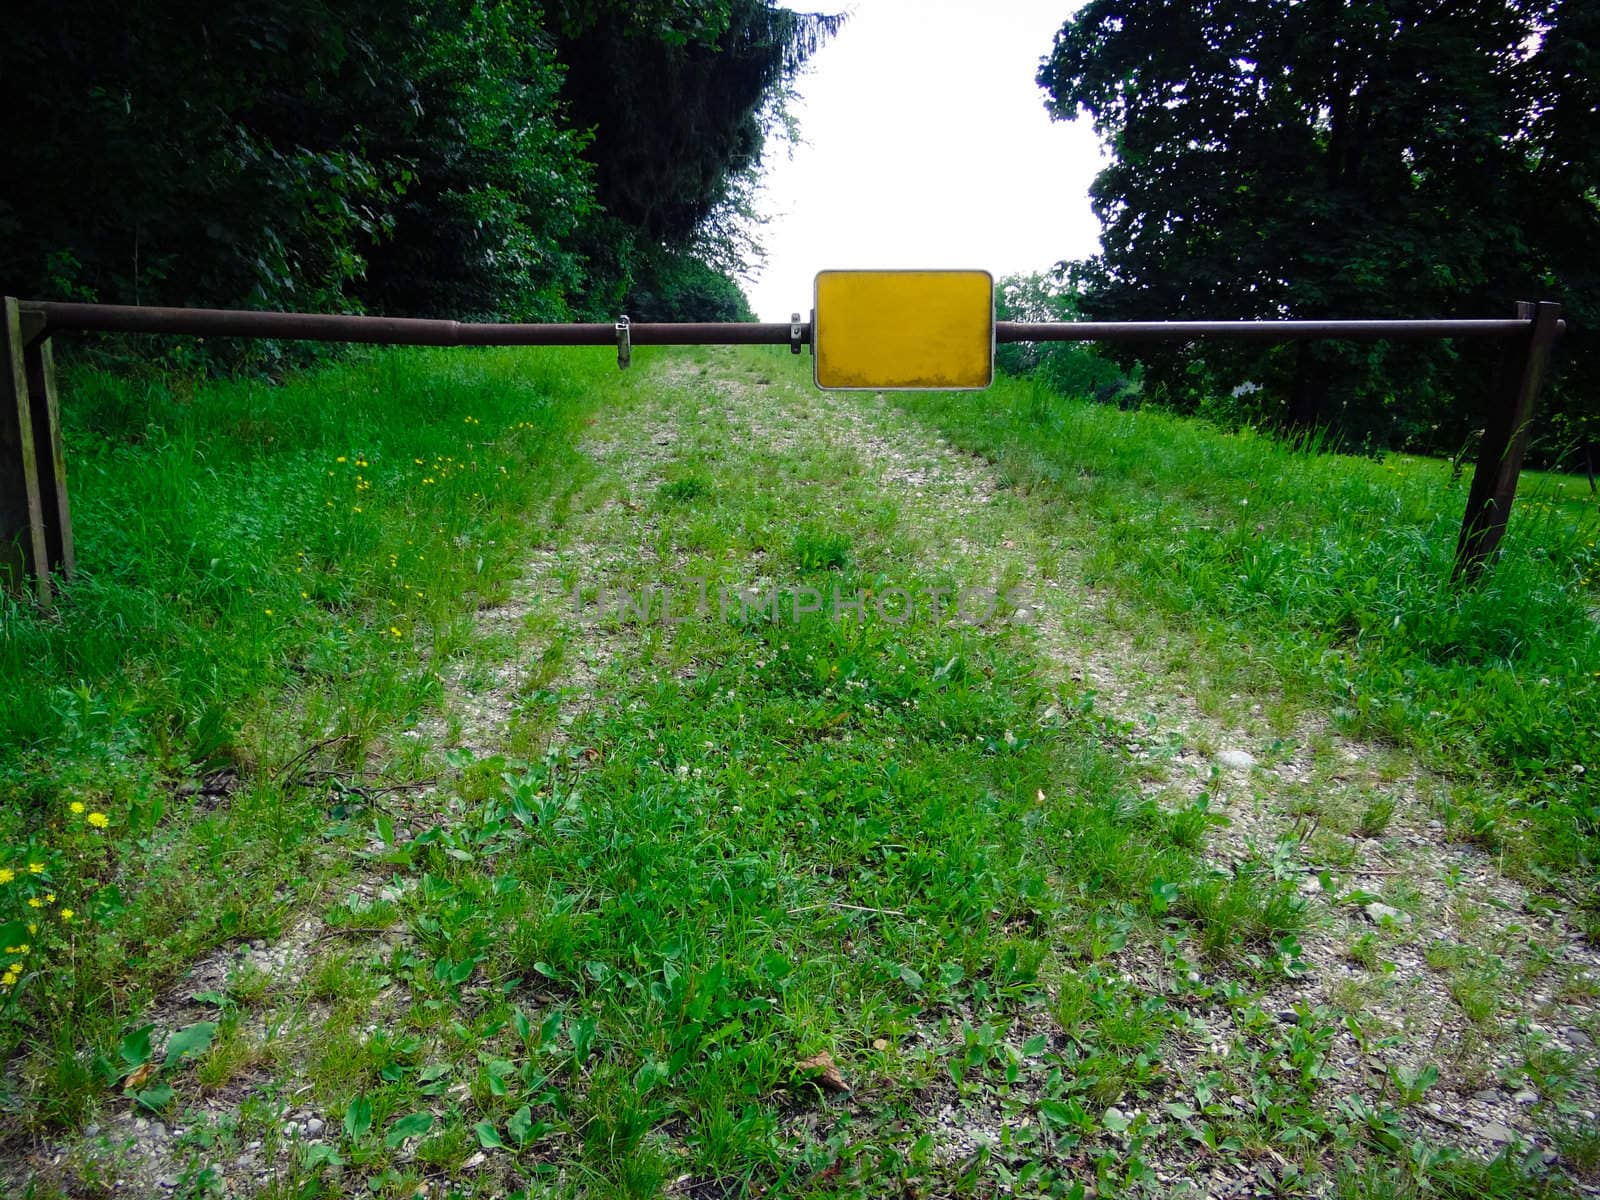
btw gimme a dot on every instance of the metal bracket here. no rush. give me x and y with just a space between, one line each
796 333
624 343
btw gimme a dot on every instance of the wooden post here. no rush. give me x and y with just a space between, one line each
1505 438
24 558
49 459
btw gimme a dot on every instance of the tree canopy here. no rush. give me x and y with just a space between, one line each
1323 158
473 158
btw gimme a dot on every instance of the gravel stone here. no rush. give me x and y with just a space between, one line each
1378 913
1495 1133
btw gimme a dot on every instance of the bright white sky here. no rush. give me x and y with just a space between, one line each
926 144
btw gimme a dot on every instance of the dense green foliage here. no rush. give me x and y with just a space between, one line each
428 157
676 95
672 286
1070 368
1384 158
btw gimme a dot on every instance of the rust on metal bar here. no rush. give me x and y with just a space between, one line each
55 317
398 331
1268 331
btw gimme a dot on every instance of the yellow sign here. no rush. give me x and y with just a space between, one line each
880 330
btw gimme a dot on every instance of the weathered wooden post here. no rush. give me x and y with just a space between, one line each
1505 439
40 363
35 522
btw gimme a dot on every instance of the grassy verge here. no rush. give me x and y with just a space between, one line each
261 569
1326 578
797 906
780 904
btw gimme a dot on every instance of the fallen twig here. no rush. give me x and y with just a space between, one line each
882 912
305 755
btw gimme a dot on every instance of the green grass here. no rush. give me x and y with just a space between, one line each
261 569
610 964
1326 577
855 838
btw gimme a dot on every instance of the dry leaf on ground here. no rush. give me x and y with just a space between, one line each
824 1073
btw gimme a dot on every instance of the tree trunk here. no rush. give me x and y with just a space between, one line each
1308 399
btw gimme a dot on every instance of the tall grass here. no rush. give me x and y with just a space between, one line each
1335 571
260 568
245 538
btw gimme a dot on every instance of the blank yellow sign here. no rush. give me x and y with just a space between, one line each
880 330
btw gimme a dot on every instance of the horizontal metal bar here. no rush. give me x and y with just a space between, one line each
60 317
1266 331
399 331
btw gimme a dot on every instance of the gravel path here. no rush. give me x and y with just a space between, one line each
1423 950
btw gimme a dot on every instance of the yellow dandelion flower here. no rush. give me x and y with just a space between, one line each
99 820
339 459
35 902
15 968
7 874
49 897
8 979
66 914
35 868
33 927
268 611
76 806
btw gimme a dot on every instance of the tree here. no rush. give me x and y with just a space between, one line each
680 287
680 98
163 151
474 158
1327 158
677 96
492 189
